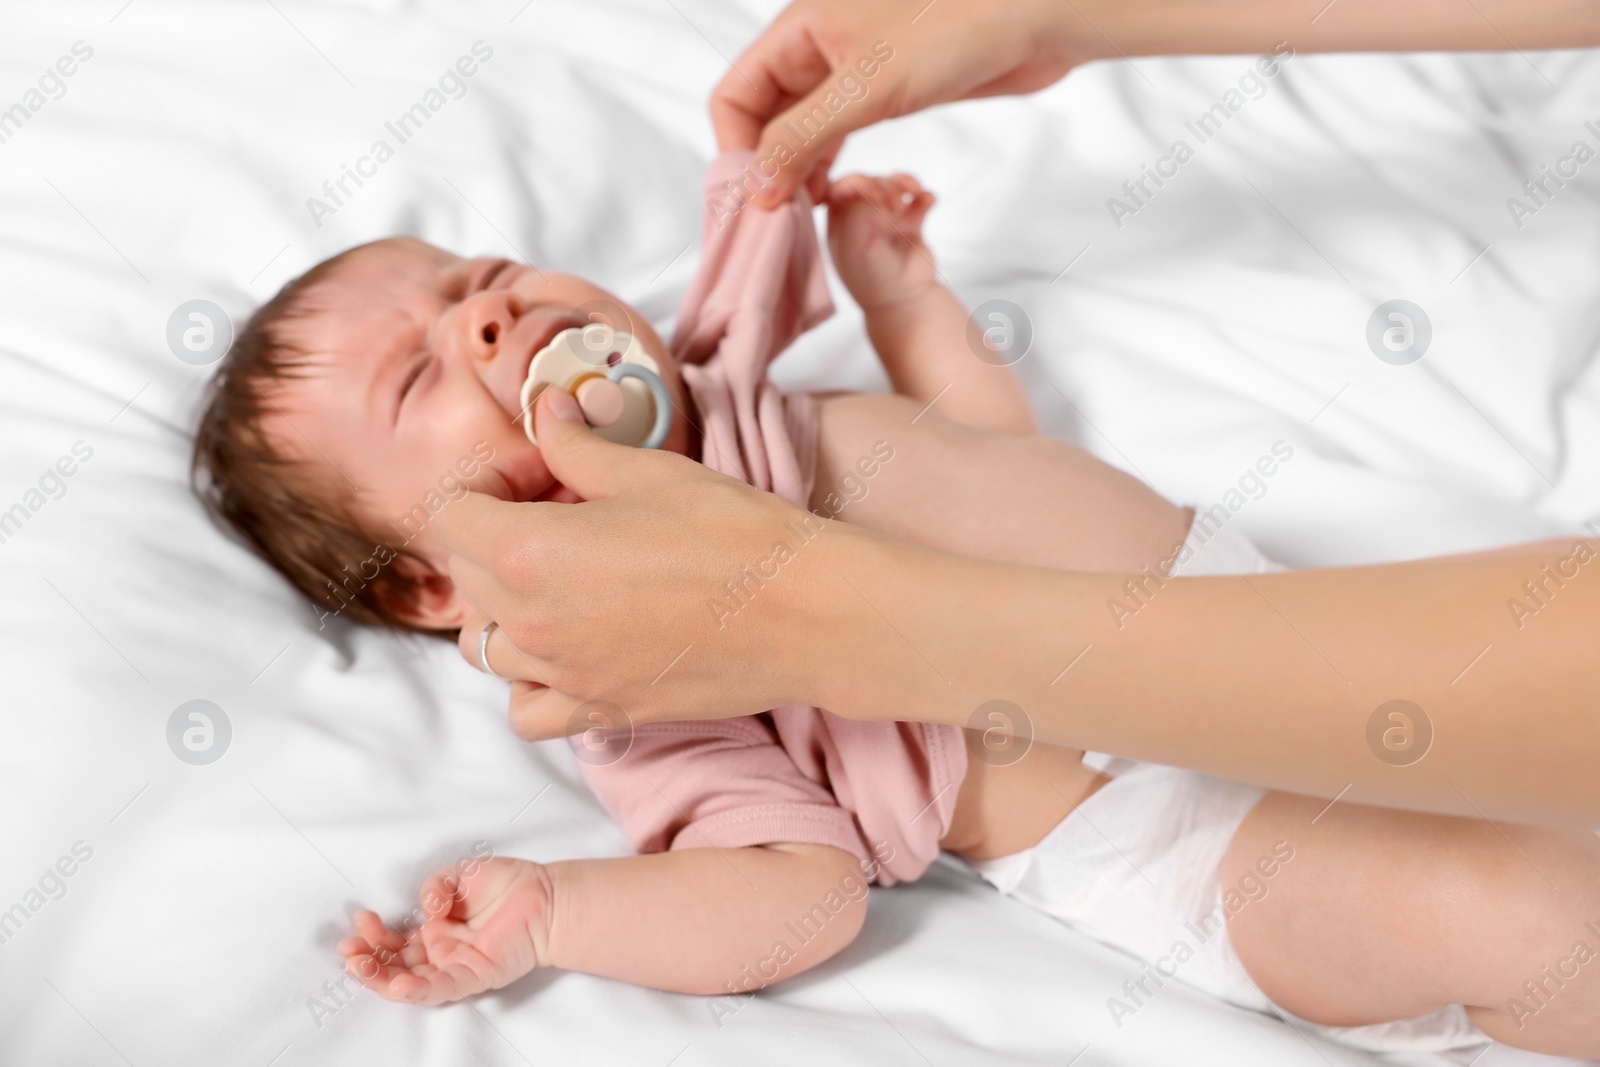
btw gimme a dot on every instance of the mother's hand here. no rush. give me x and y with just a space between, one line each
825 68
612 599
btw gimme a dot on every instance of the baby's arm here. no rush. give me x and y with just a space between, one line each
696 920
919 328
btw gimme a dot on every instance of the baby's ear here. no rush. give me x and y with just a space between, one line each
422 597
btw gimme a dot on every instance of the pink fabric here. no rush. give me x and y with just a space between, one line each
760 285
883 791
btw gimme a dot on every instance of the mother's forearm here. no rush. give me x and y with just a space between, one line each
1283 680
1182 27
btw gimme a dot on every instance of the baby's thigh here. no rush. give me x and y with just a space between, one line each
1030 500
1379 915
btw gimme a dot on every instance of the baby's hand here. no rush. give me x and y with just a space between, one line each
875 236
486 928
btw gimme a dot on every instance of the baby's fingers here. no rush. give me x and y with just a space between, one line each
917 209
441 896
439 985
354 946
423 984
904 185
908 198
447 976
875 191
411 988
361 964
379 936
847 189
372 955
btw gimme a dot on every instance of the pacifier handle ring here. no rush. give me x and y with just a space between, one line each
663 399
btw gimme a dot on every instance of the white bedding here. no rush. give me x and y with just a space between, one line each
1226 314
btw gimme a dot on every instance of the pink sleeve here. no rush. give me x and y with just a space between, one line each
724 783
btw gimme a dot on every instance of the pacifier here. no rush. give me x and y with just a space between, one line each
617 385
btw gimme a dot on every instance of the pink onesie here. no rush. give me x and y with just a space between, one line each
885 792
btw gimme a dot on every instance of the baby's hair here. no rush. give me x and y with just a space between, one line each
268 498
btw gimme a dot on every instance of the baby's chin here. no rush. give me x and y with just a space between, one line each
523 476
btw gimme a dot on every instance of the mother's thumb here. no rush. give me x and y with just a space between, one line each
580 459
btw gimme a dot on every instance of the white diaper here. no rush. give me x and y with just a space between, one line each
1139 866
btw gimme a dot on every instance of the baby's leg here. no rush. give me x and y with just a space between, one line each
1029 500
1385 915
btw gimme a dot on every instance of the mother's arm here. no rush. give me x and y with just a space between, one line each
893 57
1271 679
1312 659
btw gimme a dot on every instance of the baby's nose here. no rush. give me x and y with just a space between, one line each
488 320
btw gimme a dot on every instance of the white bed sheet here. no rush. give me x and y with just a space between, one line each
1226 314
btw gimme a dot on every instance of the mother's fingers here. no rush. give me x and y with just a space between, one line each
536 712
481 527
497 655
779 67
486 591
539 713
817 183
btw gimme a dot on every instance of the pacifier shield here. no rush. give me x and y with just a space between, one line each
614 321
614 380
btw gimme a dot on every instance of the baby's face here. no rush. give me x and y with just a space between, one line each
414 389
